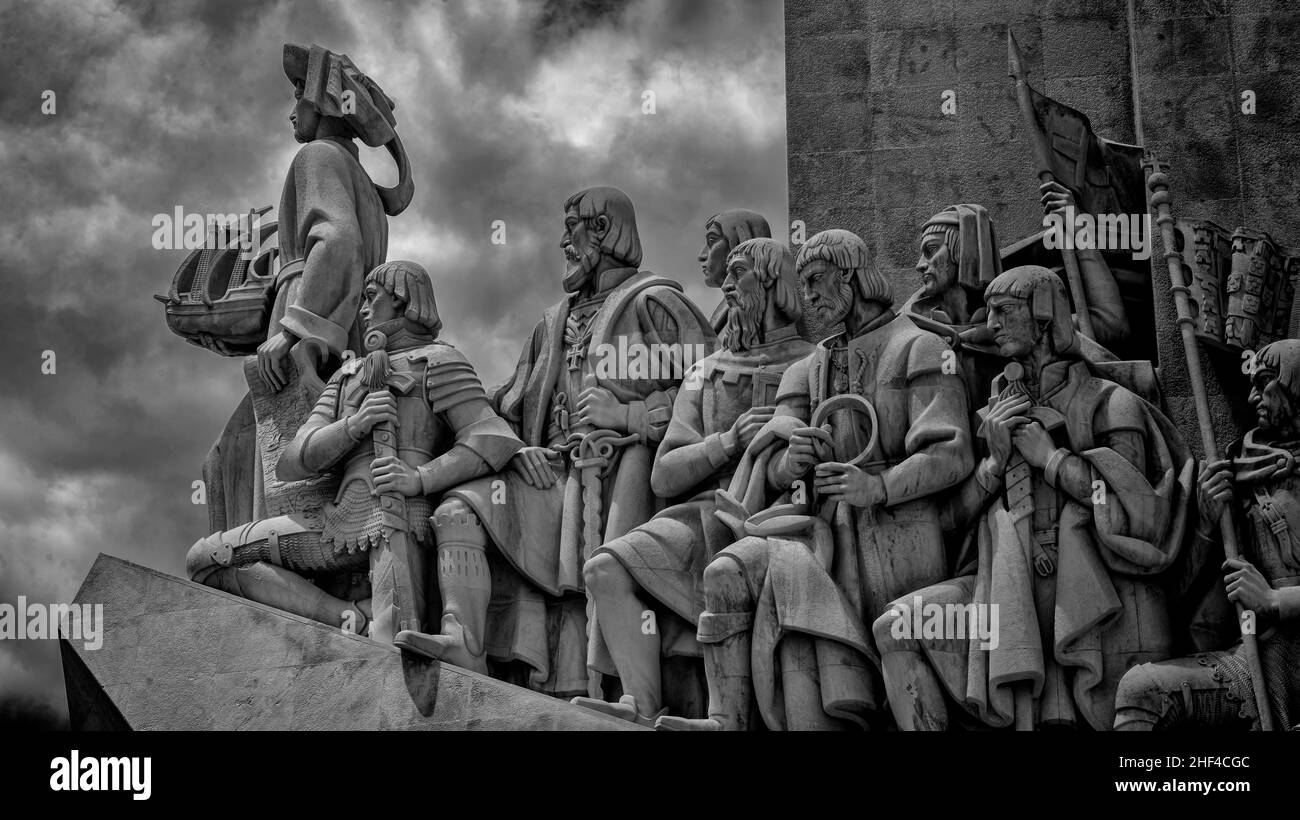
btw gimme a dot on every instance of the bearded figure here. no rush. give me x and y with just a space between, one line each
722 233
1077 507
592 398
724 401
1259 483
786 606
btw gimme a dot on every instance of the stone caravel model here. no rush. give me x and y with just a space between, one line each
723 402
332 229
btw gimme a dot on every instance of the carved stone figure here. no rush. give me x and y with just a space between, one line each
723 402
1260 483
1077 507
591 397
331 230
395 428
332 225
959 256
786 606
722 233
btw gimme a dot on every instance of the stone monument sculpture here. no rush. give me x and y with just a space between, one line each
591 397
1258 482
881 425
331 229
1078 506
722 233
723 402
394 429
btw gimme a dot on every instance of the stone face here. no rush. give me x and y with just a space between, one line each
179 655
1194 61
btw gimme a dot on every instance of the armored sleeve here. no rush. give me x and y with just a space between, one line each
484 441
322 440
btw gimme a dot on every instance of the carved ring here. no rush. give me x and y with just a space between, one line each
855 402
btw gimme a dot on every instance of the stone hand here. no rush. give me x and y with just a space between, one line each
378 407
807 444
1033 442
598 408
1002 421
746 427
844 482
533 464
271 356
1055 197
392 475
1248 587
1215 490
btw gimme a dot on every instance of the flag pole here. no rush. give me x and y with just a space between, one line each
1042 157
1158 183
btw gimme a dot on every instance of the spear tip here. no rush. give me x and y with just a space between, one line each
1015 66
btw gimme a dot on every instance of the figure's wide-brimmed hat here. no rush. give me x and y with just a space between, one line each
337 88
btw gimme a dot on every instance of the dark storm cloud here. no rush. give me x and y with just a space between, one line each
505 108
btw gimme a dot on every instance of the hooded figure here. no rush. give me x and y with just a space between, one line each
1077 509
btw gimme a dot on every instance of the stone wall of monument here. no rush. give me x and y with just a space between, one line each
871 149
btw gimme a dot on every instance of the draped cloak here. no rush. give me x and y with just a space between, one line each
538 611
811 621
1110 611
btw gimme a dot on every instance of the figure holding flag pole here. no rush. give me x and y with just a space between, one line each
1144 680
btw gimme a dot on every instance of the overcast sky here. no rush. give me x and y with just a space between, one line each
505 106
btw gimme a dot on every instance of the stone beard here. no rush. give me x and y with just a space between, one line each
744 328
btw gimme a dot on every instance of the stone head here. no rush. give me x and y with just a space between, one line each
1275 389
1028 309
400 290
599 233
835 269
722 233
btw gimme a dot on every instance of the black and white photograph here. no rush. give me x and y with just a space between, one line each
830 367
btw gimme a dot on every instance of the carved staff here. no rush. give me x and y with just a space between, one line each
1043 158
1158 184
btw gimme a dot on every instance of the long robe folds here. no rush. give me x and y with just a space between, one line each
538 612
667 555
332 232
1069 634
811 621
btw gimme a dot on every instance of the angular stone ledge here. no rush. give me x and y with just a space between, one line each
179 655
